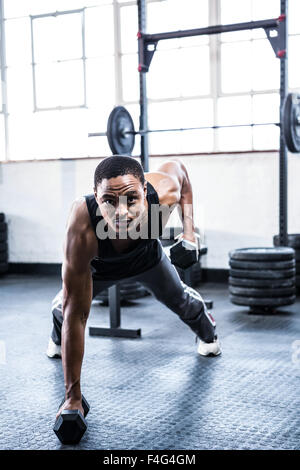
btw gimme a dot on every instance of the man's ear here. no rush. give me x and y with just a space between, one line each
95 193
145 188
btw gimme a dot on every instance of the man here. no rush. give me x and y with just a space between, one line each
109 236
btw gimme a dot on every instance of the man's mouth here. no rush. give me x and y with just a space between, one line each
122 224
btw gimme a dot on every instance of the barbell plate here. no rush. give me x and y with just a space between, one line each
291 125
120 131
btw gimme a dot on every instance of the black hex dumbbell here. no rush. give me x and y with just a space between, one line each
185 253
70 426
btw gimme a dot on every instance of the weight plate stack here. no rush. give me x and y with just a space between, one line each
128 291
293 242
262 278
3 245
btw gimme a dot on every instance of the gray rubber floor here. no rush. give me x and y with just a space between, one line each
155 392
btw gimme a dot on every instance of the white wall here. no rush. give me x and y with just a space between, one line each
235 199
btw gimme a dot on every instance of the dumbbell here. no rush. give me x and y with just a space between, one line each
70 426
185 253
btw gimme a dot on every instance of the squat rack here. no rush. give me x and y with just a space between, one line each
277 33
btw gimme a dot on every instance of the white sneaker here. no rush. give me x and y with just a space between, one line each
206 349
53 349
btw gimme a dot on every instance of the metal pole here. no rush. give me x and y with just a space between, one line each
283 170
143 91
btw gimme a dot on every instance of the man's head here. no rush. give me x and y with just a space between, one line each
120 190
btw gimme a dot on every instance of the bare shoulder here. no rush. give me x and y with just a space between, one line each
80 244
167 181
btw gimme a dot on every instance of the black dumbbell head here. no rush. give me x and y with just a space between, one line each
70 426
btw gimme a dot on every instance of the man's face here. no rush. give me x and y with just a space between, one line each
122 202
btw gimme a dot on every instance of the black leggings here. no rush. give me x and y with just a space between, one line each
165 284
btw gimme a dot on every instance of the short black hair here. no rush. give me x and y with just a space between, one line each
118 165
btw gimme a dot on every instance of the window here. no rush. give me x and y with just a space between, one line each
69 62
58 60
69 88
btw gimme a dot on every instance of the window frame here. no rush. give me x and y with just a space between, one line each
80 11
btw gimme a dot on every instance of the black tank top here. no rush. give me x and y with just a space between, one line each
110 265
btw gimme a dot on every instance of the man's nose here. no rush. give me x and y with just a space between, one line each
122 209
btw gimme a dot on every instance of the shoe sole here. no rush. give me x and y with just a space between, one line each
53 356
209 354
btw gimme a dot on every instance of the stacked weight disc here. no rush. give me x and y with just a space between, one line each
293 242
128 291
262 278
3 245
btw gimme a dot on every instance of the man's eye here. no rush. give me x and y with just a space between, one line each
108 201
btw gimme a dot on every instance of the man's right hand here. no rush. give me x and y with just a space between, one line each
71 404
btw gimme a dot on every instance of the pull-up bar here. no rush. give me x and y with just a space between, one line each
148 42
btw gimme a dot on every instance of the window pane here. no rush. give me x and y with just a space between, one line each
45 44
47 85
182 72
194 70
59 84
164 143
173 15
164 115
266 108
294 75
50 40
50 134
265 9
164 76
177 114
181 142
234 110
235 11
266 67
19 92
70 44
294 16
196 141
71 86
18 42
99 31
130 78
238 138
196 113
265 137
129 29
236 67
100 77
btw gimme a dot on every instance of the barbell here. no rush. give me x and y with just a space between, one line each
121 132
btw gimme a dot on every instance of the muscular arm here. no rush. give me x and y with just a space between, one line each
186 205
176 189
80 247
